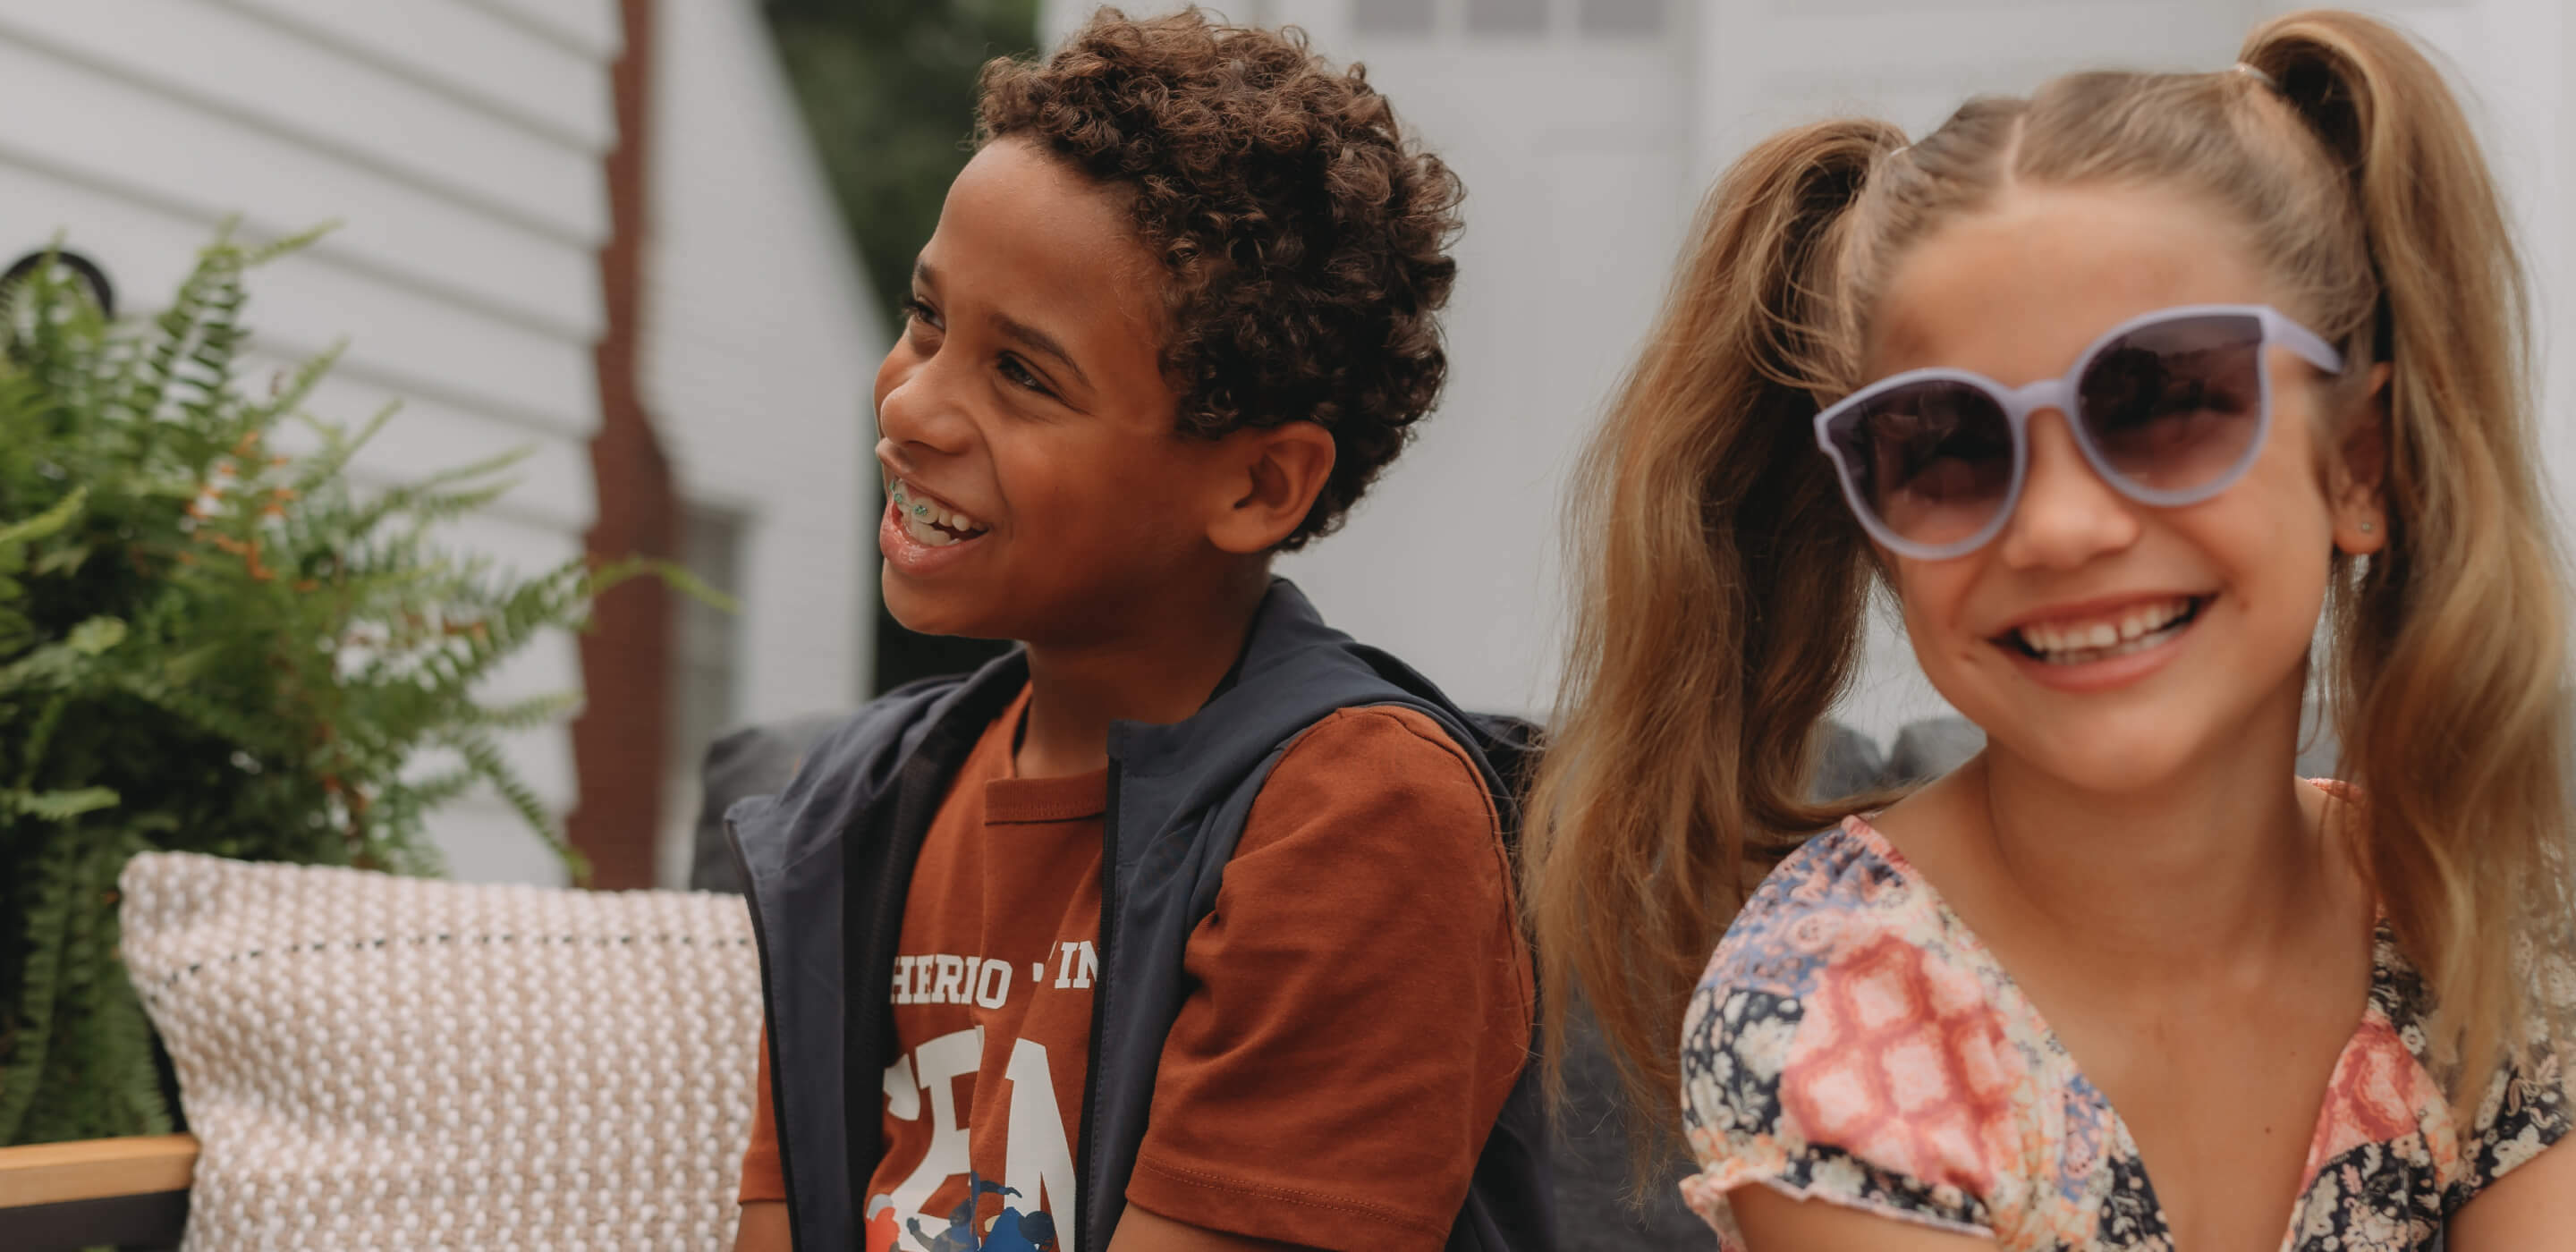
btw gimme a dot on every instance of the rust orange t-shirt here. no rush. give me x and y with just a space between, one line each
1360 1009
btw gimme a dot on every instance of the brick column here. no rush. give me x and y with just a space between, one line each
618 740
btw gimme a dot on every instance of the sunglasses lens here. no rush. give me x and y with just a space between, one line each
1932 461
2176 406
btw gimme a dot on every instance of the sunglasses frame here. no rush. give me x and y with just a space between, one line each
2061 394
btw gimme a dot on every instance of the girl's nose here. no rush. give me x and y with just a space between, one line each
2067 515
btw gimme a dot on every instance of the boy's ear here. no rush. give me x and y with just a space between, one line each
1273 476
2359 471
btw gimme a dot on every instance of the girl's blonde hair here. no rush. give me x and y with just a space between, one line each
1724 580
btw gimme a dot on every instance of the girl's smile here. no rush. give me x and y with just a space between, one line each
2105 643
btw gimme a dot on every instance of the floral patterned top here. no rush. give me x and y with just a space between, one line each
1853 1041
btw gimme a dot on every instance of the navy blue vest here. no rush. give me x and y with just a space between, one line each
828 862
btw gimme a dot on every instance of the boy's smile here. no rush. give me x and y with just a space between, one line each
916 519
1037 486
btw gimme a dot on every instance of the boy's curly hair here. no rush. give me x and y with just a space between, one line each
1305 240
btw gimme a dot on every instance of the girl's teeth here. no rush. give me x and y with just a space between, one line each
2097 640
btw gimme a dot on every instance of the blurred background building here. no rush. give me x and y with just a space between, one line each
621 233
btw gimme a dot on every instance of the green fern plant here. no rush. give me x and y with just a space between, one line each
209 646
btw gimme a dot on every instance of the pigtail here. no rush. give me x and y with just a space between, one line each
2448 668
1720 587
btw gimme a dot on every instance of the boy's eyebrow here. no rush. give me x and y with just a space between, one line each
1012 328
1040 340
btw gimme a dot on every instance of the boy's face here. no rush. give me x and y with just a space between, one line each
1038 489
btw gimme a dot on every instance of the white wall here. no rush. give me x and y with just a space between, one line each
1575 203
759 345
1584 158
458 140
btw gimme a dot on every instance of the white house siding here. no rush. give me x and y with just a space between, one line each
458 141
1585 156
759 344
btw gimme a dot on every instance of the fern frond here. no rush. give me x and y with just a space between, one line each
48 522
93 1063
338 448
440 789
57 806
209 715
430 499
297 242
45 901
484 758
530 713
178 333
52 667
298 385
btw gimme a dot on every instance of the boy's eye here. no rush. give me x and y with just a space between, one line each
914 310
1021 377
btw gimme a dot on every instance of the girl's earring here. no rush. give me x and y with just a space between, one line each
2367 527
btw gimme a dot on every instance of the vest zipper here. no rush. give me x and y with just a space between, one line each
1085 1159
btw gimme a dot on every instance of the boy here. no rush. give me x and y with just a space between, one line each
1189 924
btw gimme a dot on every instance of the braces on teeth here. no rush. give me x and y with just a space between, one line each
930 524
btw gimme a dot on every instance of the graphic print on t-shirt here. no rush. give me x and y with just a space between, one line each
991 999
1013 1231
955 1117
1038 1176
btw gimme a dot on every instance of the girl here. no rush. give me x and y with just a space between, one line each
2130 392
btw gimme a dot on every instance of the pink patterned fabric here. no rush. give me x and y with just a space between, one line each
1901 1059
1853 1041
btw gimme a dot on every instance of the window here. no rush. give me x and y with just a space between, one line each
1449 19
1507 17
1393 17
706 678
1620 17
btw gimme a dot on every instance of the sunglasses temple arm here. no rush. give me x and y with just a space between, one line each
2305 342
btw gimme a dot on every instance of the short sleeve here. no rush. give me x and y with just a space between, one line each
1828 1055
1361 1006
2528 1106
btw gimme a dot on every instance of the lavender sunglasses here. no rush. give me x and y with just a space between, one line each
2170 408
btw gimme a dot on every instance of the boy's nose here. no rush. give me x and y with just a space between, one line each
2067 515
920 413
